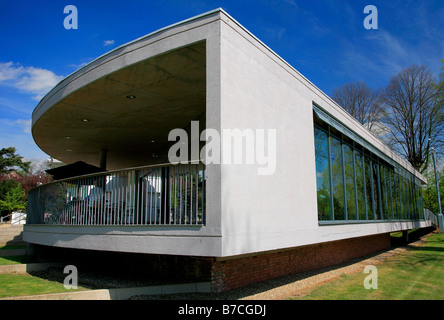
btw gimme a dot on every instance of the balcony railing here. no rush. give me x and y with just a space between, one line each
152 195
429 215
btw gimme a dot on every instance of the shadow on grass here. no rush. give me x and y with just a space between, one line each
16 260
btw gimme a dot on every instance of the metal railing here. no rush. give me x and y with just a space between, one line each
14 218
429 215
152 195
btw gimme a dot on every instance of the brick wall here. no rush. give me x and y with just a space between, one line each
232 273
224 273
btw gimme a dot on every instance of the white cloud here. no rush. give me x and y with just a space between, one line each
31 80
9 72
23 124
380 55
17 133
108 42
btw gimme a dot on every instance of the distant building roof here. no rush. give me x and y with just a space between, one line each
78 168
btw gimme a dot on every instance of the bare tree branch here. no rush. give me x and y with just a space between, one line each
414 114
361 102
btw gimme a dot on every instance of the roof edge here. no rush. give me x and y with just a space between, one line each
151 34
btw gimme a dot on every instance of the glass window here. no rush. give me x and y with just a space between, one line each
394 195
377 191
421 204
389 194
415 193
398 199
322 175
401 197
349 182
369 188
383 191
409 199
352 183
406 199
337 178
412 199
360 184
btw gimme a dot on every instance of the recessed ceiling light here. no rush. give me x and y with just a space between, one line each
153 141
131 97
67 137
85 120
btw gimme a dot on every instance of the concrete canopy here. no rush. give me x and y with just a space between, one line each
125 114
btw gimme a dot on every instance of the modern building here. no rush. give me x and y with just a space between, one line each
334 191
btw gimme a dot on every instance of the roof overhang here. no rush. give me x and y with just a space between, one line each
124 104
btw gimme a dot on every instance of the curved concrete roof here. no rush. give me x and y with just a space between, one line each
93 109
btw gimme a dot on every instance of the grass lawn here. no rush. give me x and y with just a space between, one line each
12 285
25 284
417 274
14 260
13 247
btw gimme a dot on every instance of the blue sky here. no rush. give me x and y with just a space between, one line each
324 40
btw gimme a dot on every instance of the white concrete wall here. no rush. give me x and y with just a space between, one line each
261 91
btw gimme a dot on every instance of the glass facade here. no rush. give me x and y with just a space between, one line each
355 185
323 175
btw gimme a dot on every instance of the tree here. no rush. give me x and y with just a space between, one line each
361 102
12 197
9 161
429 192
440 87
414 114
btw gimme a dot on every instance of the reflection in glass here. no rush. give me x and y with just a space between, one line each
360 184
401 197
383 191
394 197
349 182
337 178
369 188
376 191
322 175
354 184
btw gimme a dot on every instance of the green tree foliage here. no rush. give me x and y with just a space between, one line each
12 197
11 162
430 194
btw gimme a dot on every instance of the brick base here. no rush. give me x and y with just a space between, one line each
235 272
224 273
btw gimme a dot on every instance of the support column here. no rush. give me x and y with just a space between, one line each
440 223
405 235
102 163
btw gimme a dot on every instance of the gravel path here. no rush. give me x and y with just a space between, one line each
298 284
